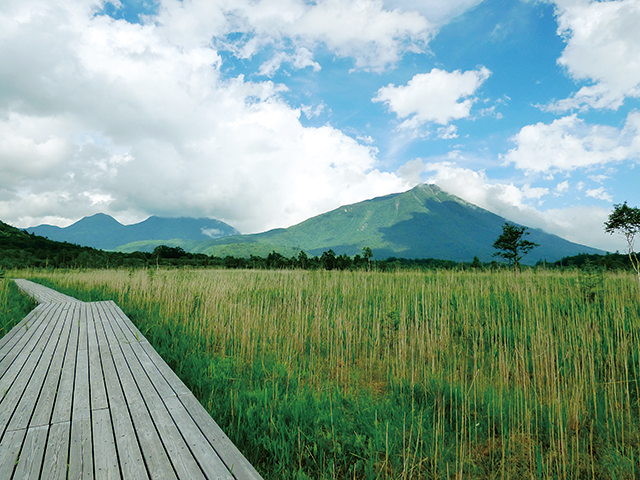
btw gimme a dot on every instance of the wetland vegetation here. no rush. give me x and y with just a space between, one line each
441 374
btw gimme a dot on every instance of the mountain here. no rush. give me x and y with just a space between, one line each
104 232
424 222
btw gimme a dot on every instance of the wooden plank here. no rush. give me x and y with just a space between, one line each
126 444
47 399
81 450
202 451
17 376
99 401
30 333
96 376
155 456
153 450
30 398
64 398
226 449
106 464
13 335
32 453
9 451
56 457
181 458
177 450
42 294
161 375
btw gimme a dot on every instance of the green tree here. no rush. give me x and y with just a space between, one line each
477 264
626 220
328 260
367 253
512 245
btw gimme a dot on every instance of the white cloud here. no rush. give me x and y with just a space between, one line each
569 143
301 59
102 115
562 187
361 29
438 11
447 133
599 193
603 47
580 224
437 96
599 178
313 112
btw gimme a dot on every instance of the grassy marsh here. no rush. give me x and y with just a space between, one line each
443 374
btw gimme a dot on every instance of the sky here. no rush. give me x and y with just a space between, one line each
263 113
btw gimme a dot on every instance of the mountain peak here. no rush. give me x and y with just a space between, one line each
105 232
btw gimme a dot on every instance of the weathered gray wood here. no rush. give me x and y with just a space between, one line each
228 452
32 453
56 457
81 451
46 401
64 398
153 450
9 451
202 451
13 361
175 446
106 461
96 375
83 395
25 408
7 342
16 378
42 294
129 454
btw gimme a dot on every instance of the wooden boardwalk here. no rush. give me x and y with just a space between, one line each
84 395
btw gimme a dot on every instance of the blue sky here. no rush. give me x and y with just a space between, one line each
262 113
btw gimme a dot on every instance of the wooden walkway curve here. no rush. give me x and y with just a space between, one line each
84 395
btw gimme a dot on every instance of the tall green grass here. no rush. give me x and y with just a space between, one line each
14 305
401 375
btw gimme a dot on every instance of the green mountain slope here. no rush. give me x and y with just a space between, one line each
104 232
424 222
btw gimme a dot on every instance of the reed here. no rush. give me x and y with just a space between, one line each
404 375
14 306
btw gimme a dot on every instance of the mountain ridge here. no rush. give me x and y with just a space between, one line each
105 232
423 222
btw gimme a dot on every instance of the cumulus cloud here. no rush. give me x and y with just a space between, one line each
562 187
438 96
98 114
569 143
599 193
364 30
580 224
437 11
603 48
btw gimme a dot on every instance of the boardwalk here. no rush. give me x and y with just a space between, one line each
84 395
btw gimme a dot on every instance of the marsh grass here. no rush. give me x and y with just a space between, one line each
14 305
400 375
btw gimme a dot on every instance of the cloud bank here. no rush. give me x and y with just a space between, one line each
98 114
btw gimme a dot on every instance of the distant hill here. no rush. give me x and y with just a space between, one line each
424 222
105 232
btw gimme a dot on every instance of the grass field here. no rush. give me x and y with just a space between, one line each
403 375
13 305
